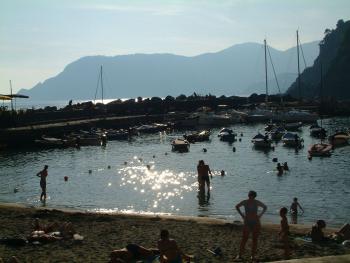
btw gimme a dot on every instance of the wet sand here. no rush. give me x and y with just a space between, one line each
103 233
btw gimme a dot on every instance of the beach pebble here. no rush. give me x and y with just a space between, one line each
78 237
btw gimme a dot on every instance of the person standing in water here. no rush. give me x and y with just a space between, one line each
43 174
251 219
203 176
294 210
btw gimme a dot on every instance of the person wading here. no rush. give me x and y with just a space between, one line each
43 174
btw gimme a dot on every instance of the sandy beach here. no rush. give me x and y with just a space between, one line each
103 233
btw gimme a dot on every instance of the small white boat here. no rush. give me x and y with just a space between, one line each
262 141
292 140
180 145
320 150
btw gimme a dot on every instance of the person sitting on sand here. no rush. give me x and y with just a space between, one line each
284 232
251 220
169 251
51 232
133 252
316 233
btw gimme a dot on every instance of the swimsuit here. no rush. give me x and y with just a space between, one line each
251 209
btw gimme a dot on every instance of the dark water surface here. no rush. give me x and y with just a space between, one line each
170 186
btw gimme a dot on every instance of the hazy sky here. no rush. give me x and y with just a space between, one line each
39 37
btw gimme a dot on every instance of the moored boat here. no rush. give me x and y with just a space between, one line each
320 150
293 126
339 139
277 133
227 135
198 136
180 145
317 131
292 140
121 134
262 141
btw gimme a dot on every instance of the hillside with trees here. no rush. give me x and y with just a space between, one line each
334 57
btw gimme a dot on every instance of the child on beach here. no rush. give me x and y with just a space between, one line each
284 232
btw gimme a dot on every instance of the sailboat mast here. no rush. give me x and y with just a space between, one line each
11 95
266 87
101 84
299 83
321 86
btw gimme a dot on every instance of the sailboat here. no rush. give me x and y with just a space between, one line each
320 149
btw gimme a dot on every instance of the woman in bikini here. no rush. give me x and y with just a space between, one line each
251 219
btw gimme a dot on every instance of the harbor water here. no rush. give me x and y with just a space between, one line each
120 181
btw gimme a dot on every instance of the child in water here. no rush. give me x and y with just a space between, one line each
284 232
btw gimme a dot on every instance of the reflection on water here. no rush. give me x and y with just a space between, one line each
144 176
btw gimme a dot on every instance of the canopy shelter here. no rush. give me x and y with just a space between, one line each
5 97
12 97
17 96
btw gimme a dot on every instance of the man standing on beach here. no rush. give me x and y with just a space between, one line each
43 174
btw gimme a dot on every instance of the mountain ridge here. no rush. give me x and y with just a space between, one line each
229 71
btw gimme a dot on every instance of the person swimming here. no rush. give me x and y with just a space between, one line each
285 166
279 169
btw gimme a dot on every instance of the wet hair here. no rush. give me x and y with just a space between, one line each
252 194
164 234
295 199
201 162
321 223
46 166
283 211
